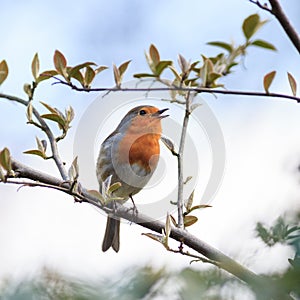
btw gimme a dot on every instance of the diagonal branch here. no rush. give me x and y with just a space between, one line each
44 126
185 238
280 15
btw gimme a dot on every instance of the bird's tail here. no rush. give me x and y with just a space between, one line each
112 235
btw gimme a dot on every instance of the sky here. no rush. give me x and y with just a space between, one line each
40 227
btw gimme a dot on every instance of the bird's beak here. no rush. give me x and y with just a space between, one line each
159 113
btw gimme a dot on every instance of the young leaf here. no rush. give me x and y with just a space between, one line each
123 67
29 111
250 25
2 175
89 76
35 66
189 220
28 90
35 152
3 71
169 144
55 118
183 64
173 221
60 63
114 187
46 75
188 204
263 44
100 69
50 108
40 145
73 171
268 79
154 55
117 75
96 194
223 45
142 75
5 160
162 65
293 83
199 207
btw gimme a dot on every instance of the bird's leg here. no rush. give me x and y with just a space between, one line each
134 208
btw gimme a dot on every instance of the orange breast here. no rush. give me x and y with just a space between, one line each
143 150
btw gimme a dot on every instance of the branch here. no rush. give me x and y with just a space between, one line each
175 88
278 12
180 235
48 132
180 160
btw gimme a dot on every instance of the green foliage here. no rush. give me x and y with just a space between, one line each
280 232
135 283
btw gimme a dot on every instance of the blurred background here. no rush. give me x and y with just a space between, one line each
45 235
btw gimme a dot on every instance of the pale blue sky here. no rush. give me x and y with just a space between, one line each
261 135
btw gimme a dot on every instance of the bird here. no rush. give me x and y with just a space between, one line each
129 155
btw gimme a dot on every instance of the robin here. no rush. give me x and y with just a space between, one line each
129 155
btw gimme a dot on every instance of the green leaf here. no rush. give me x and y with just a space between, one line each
46 75
250 25
35 152
55 118
89 76
154 54
70 114
117 76
189 220
73 171
3 71
173 221
123 67
168 143
176 74
188 204
60 63
50 108
293 83
114 187
263 44
100 69
40 145
35 66
5 159
223 45
74 70
28 90
142 75
200 206
162 65
96 194
29 111
268 79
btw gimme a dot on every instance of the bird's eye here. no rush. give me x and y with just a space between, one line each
142 112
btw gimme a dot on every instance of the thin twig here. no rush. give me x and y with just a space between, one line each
262 6
175 88
43 126
180 160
